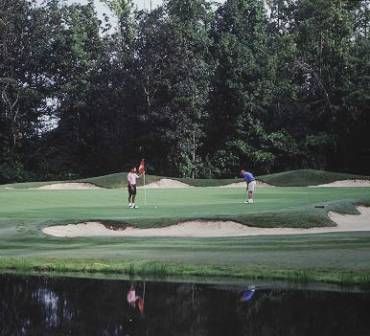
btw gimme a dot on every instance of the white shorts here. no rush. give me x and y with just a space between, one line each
251 186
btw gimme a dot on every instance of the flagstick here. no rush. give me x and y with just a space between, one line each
145 190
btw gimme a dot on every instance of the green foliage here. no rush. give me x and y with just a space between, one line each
120 8
198 90
11 172
263 159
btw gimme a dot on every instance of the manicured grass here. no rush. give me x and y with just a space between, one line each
294 207
340 258
336 258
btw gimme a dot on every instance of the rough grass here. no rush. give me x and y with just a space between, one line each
162 270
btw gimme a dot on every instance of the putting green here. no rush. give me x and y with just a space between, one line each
164 206
324 257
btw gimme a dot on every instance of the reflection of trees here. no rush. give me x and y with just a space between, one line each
175 310
44 306
186 309
294 312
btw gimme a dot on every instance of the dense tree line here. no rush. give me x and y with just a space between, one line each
197 90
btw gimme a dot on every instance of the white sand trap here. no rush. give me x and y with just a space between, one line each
347 183
166 183
345 223
259 184
69 186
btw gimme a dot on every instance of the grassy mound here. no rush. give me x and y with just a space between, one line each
307 177
293 178
111 181
119 180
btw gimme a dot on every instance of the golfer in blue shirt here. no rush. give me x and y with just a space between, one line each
251 184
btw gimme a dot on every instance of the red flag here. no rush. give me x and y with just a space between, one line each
142 167
140 305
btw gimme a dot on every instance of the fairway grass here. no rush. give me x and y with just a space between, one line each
335 258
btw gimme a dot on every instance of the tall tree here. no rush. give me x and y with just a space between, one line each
241 87
175 73
283 124
77 49
113 95
354 121
24 81
324 32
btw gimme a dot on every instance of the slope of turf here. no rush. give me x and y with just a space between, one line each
307 177
294 178
339 258
119 180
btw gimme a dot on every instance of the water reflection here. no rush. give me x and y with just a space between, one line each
248 294
136 301
64 306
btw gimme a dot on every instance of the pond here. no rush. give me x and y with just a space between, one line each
41 305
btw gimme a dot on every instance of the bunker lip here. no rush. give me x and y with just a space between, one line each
171 183
202 229
167 183
346 183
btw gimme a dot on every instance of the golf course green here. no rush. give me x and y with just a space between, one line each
331 257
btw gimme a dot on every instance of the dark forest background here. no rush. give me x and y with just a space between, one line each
198 90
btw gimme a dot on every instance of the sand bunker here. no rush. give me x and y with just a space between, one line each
167 183
352 222
347 183
69 186
345 223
